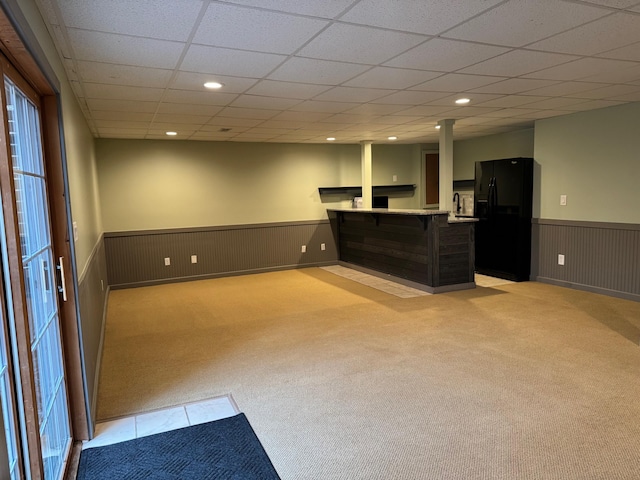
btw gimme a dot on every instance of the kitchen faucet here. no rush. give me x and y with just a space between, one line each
456 200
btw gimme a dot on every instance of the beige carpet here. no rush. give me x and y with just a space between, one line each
343 381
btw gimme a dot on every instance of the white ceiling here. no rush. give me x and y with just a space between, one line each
304 70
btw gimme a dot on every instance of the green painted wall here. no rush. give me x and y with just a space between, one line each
593 158
156 184
504 145
79 147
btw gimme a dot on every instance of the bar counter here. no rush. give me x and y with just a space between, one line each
425 249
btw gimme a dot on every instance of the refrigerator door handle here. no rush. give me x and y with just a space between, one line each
490 195
494 197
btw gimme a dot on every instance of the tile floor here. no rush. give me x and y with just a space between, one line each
398 289
159 421
387 286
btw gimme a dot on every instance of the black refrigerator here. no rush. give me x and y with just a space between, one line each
503 198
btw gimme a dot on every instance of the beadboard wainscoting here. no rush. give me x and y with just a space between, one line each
92 294
598 257
137 258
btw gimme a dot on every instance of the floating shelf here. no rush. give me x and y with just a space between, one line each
357 191
464 184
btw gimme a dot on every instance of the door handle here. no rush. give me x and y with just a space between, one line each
62 288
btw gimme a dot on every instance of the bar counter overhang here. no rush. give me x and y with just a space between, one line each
425 249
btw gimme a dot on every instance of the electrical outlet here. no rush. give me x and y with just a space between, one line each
167 261
560 259
395 178
304 249
75 231
563 199
194 259
323 246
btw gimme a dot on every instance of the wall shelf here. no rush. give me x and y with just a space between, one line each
464 184
357 191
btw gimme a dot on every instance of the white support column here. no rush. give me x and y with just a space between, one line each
445 187
367 190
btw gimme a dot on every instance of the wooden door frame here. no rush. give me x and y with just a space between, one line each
423 176
19 45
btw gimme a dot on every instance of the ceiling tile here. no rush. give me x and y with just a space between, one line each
514 85
123 116
630 52
302 91
256 101
394 120
222 121
615 31
582 68
120 124
181 118
142 18
456 82
555 103
536 114
564 88
198 98
614 3
429 17
623 74
302 116
517 23
376 109
392 78
592 105
445 55
325 8
609 91
424 110
518 62
505 112
410 97
196 81
345 94
251 29
224 61
346 118
123 74
121 105
182 129
352 43
188 109
318 106
122 92
247 113
125 50
316 71
510 101
107 132
461 112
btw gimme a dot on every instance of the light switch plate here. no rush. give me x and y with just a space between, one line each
563 199
560 259
75 231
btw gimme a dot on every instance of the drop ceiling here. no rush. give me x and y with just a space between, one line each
300 71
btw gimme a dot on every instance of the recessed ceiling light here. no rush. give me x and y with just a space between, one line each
463 101
392 138
171 134
213 85
331 139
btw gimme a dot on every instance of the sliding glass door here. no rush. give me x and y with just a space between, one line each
34 335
